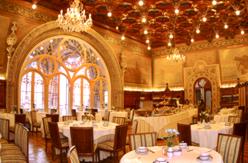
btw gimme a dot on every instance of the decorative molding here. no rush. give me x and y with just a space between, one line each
202 70
220 43
15 8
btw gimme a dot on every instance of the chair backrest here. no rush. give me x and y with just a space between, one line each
54 132
131 115
20 118
239 112
21 138
68 118
72 155
229 147
106 115
53 111
45 121
240 130
120 137
147 139
33 116
184 133
234 119
4 128
119 120
98 117
134 126
55 117
82 138
74 112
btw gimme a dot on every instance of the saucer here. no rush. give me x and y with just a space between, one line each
204 158
160 160
142 150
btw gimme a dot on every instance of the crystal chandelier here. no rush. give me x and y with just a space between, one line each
75 19
175 56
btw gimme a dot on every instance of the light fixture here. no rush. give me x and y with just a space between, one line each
226 26
109 14
75 19
141 2
117 28
34 6
123 37
143 19
217 35
169 44
171 36
148 47
242 32
147 41
237 12
145 31
192 40
175 56
204 19
176 11
197 30
214 2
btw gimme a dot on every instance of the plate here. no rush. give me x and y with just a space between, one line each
160 160
209 158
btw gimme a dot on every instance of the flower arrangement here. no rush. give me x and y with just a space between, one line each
204 115
171 138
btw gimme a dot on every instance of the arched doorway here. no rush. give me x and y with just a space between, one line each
49 30
203 91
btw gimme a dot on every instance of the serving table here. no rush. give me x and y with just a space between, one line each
160 123
189 155
207 137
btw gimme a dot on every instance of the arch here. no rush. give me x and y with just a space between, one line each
202 70
51 29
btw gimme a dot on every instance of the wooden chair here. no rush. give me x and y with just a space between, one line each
117 145
147 139
55 117
229 147
119 120
47 137
35 124
69 118
82 138
57 142
134 126
233 119
185 133
74 112
19 118
4 130
72 155
240 130
53 111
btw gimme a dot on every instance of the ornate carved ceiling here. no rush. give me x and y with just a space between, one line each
162 20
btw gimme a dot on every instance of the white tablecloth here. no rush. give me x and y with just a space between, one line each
223 117
160 123
208 137
117 114
101 133
10 117
185 157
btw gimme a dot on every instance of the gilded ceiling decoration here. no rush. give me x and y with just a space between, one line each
165 22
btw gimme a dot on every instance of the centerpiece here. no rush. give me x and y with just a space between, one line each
204 116
171 140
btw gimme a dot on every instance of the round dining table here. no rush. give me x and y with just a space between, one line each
189 155
207 136
102 131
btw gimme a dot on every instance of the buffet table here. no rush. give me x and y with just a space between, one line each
160 123
207 137
190 155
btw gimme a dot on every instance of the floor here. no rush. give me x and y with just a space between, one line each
37 153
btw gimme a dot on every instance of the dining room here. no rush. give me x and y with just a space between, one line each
123 81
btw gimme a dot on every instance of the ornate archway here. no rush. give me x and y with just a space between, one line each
51 29
202 70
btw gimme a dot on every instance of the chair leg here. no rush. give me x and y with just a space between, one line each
98 153
61 155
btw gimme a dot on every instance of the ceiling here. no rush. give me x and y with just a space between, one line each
162 20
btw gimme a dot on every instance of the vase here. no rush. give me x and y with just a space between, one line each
170 152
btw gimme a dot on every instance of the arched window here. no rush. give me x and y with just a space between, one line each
64 73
